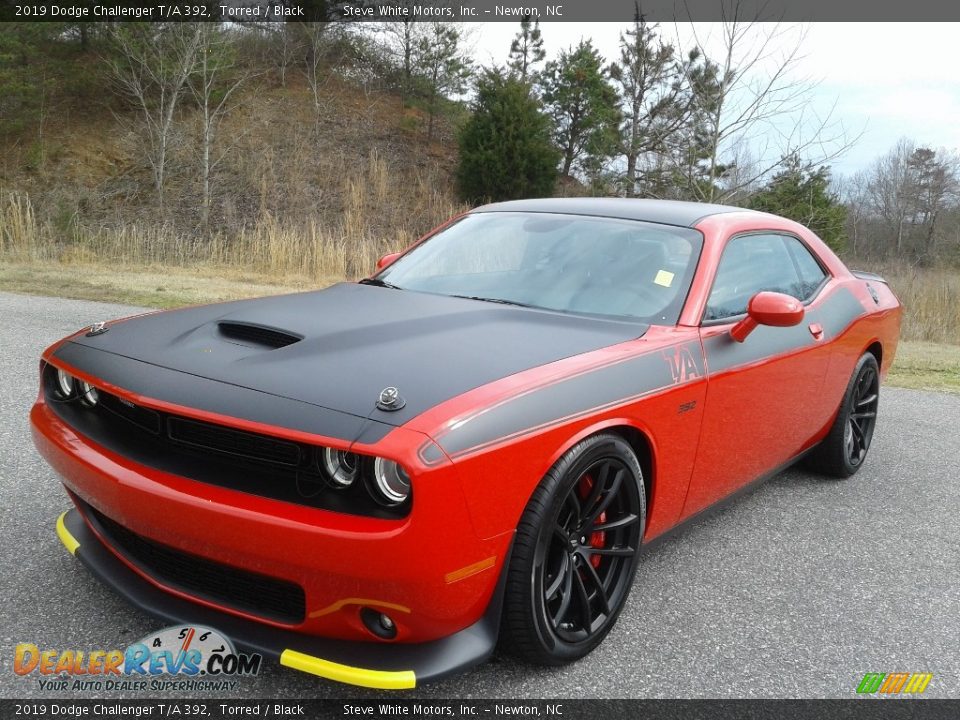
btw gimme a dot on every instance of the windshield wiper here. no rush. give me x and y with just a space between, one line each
376 282
499 301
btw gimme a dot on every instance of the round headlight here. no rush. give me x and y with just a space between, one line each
65 384
342 467
392 484
88 394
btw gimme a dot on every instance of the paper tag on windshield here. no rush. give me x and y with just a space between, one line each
664 278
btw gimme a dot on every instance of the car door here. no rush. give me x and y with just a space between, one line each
762 394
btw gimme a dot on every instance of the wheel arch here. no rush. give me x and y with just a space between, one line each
875 348
641 442
643 448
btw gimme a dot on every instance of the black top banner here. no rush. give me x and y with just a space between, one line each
477 10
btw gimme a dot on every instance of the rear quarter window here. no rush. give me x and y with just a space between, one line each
811 273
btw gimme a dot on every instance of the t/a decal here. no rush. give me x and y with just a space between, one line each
681 363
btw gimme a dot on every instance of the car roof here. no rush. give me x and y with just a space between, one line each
667 212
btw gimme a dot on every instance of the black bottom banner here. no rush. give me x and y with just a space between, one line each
220 709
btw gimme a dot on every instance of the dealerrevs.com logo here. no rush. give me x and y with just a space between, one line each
894 683
200 657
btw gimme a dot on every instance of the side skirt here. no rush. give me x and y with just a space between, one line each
721 504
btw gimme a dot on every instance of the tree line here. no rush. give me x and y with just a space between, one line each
655 121
906 205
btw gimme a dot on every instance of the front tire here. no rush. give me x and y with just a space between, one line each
844 449
575 553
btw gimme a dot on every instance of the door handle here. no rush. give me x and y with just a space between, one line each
816 329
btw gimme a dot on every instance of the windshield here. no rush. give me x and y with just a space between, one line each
568 263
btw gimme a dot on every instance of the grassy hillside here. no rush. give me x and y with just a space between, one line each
292 197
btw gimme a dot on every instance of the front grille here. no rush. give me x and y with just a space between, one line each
233 442
268 597
143 417
257 335
250 462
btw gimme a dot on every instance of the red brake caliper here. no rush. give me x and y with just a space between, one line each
597 539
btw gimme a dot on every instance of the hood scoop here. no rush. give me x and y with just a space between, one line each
256 335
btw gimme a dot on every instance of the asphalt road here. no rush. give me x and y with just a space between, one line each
795 590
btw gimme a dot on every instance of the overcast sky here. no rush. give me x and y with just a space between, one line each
886 80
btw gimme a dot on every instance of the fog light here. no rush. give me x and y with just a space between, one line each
380 624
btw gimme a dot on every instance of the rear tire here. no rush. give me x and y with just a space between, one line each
575 553
844 449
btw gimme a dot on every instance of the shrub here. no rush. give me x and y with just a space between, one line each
505 147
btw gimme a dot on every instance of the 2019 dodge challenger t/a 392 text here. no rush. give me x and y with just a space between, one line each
378 481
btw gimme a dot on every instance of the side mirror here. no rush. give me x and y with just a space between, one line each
387 260
768 308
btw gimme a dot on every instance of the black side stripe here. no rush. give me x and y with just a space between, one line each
636 377
574 397
835 315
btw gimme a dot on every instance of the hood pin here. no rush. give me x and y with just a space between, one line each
390 399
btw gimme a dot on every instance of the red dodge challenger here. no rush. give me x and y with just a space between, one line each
378 482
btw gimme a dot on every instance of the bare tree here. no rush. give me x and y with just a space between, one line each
854 192
891 190
313 34
285 47
759 99
910 189
404 37
444 65
152 65
213 84
741 178
935 189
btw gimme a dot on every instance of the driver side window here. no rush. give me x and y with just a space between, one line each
752 264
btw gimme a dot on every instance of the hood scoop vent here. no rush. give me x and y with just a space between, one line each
257 335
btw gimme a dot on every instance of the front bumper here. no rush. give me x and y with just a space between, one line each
395 666
429 571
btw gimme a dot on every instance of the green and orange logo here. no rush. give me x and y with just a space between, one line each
894 683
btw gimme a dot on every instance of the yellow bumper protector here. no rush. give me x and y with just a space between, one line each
379 679
68 540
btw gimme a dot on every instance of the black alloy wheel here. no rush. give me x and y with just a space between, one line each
843 451
575 553
862 415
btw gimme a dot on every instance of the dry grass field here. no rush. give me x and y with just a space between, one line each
920 364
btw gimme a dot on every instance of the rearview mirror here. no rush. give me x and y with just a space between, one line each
768 308
387 260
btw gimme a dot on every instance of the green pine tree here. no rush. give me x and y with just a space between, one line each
693 173
803 194
655 105
583 104
526 50
505 148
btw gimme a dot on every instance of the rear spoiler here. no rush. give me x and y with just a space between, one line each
868 276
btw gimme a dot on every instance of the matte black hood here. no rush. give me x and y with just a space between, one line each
350 341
